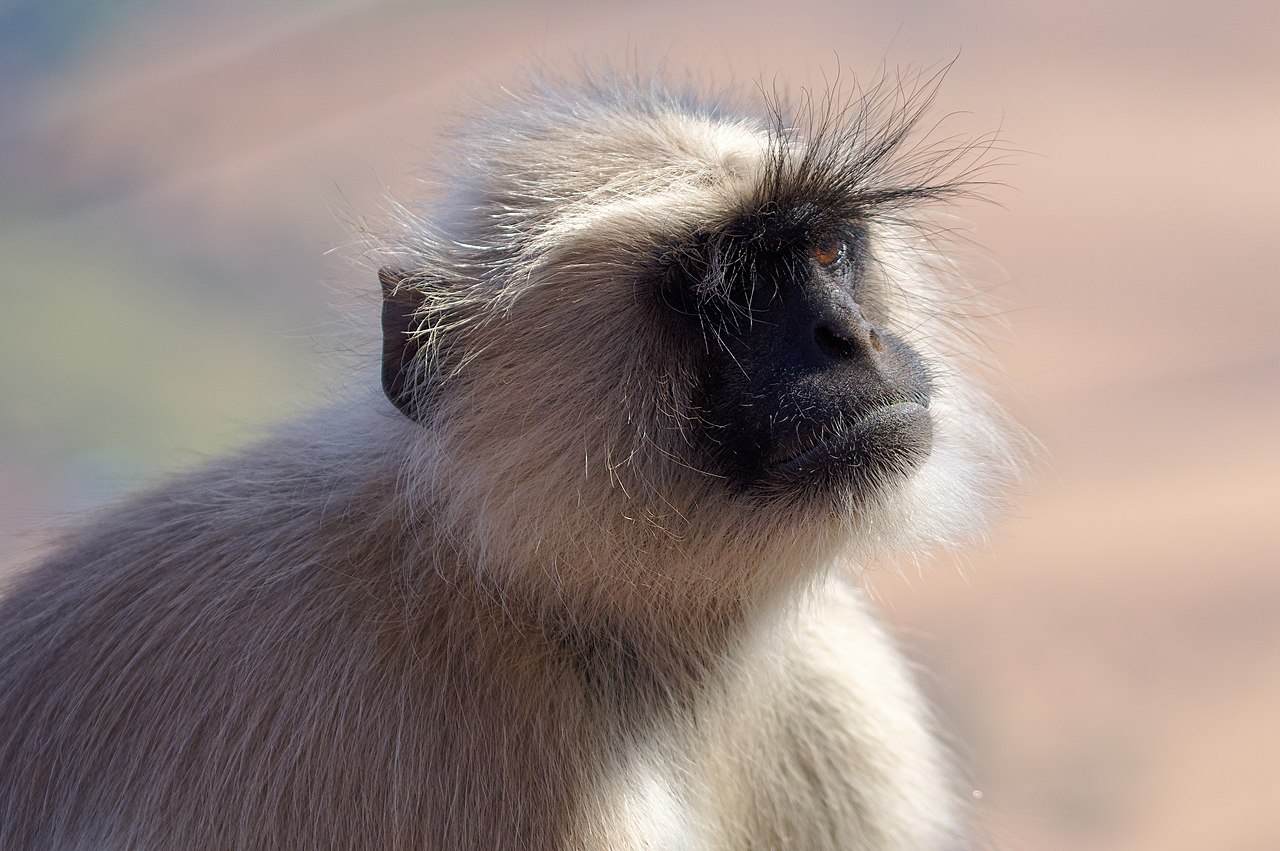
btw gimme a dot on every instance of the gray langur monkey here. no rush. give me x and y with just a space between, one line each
656 372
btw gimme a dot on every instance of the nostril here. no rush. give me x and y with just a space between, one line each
833 344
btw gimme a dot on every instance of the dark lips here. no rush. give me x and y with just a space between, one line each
897 428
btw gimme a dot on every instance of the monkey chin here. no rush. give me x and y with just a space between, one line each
857 458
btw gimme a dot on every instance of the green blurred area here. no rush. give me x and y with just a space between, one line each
131 341
102 351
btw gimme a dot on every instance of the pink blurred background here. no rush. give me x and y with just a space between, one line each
174 175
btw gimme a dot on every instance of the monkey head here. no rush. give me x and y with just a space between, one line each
691 329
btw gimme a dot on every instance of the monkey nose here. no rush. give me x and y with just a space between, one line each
847 334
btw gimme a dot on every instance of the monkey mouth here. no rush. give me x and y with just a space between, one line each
897 432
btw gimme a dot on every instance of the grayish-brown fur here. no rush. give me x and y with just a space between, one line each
531 619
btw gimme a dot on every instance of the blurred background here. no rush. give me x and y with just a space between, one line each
178 182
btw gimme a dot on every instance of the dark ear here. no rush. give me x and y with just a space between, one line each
400 345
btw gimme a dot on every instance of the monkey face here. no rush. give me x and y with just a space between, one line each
697 332
803 389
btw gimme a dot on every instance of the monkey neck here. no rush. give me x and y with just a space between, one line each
640 667
701 592
637 650
658 596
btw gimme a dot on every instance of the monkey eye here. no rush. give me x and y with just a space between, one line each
829 252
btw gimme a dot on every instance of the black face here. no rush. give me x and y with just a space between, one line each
802 390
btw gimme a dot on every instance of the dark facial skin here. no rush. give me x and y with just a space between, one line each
804 392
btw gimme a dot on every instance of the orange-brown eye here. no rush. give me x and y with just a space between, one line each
828 252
